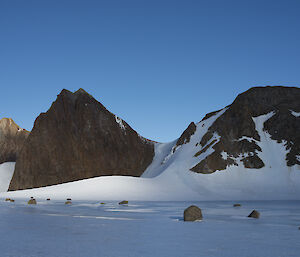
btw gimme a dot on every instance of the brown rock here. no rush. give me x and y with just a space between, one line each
12 138
237 122
78 138
192 213
237 205
123 202
254 214
32 201
186 135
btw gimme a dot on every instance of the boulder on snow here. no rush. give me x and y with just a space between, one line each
192 213
123 202
254 214
237 205
9 200
48 199
31 201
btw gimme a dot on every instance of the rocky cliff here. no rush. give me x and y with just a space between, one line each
12 138
233 136
79 138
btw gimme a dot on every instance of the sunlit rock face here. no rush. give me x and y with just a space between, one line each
78 138
12 138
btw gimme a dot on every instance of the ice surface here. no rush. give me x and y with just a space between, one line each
90 229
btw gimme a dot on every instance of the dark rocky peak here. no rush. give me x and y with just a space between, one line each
81 91
237 123
79 95
79 138
12 138
261 100
186 135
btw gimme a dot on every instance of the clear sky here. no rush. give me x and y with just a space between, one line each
157 64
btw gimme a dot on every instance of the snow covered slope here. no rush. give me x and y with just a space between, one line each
6 173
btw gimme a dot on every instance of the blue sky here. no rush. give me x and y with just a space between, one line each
157 64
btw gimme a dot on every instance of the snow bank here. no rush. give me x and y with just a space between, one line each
6 173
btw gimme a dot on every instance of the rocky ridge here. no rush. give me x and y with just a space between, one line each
234 136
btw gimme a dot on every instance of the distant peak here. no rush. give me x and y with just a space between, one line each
9 122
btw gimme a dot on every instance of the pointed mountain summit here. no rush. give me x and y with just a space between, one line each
12 138
79 138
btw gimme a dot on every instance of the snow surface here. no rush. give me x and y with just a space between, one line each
169 176
148 229
6 173
296 114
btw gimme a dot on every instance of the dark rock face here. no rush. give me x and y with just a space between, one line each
254 214
12 138
236 122
78 138
186 135
192 213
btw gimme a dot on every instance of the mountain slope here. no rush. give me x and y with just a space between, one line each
79 138
238 135
12 138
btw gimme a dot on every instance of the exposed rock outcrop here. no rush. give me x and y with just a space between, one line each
78 138
238 135
186 135
12 138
